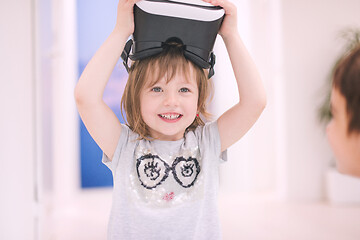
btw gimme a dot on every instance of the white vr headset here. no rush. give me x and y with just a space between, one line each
193 23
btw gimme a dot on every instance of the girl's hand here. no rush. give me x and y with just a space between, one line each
125 17
229 25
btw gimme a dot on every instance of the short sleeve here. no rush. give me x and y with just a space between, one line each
209 138
123 140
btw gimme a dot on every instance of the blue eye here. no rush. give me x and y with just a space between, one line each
156 89
184 90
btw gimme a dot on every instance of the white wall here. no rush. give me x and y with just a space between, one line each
59 196
17 121
310 47
65 142
252 166
294 44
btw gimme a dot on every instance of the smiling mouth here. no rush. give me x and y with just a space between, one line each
170 116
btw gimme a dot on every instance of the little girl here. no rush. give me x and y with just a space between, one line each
165 160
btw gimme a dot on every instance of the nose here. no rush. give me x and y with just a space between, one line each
171 99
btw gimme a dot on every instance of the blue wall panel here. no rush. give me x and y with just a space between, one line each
96 20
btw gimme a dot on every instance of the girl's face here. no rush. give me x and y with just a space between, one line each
169 108
346 147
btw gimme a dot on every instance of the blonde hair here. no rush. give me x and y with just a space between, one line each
166 64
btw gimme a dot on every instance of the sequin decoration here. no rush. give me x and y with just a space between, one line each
169 196
151 170
186 171
167 179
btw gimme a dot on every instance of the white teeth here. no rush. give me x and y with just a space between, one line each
170 116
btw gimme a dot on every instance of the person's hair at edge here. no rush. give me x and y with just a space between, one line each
149 71
347 80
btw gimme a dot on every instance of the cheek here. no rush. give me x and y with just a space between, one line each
193 105
339 145
145 107
333 137
141 104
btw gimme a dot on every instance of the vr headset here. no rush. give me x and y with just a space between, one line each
192 23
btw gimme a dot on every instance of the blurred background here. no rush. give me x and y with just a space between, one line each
280 181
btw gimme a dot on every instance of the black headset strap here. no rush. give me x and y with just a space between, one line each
190 53
212 63
145 49
125 54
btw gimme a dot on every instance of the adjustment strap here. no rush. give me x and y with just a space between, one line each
157 48
145 49
198 55
125 54
212 63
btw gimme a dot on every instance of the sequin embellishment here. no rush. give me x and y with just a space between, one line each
152 171
169 196
169 178
189 169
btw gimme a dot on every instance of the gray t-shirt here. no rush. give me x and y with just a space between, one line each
166 190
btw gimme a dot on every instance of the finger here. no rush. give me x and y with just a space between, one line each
226 5
127 3
212 2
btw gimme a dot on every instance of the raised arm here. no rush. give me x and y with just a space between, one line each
236 121
99 119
